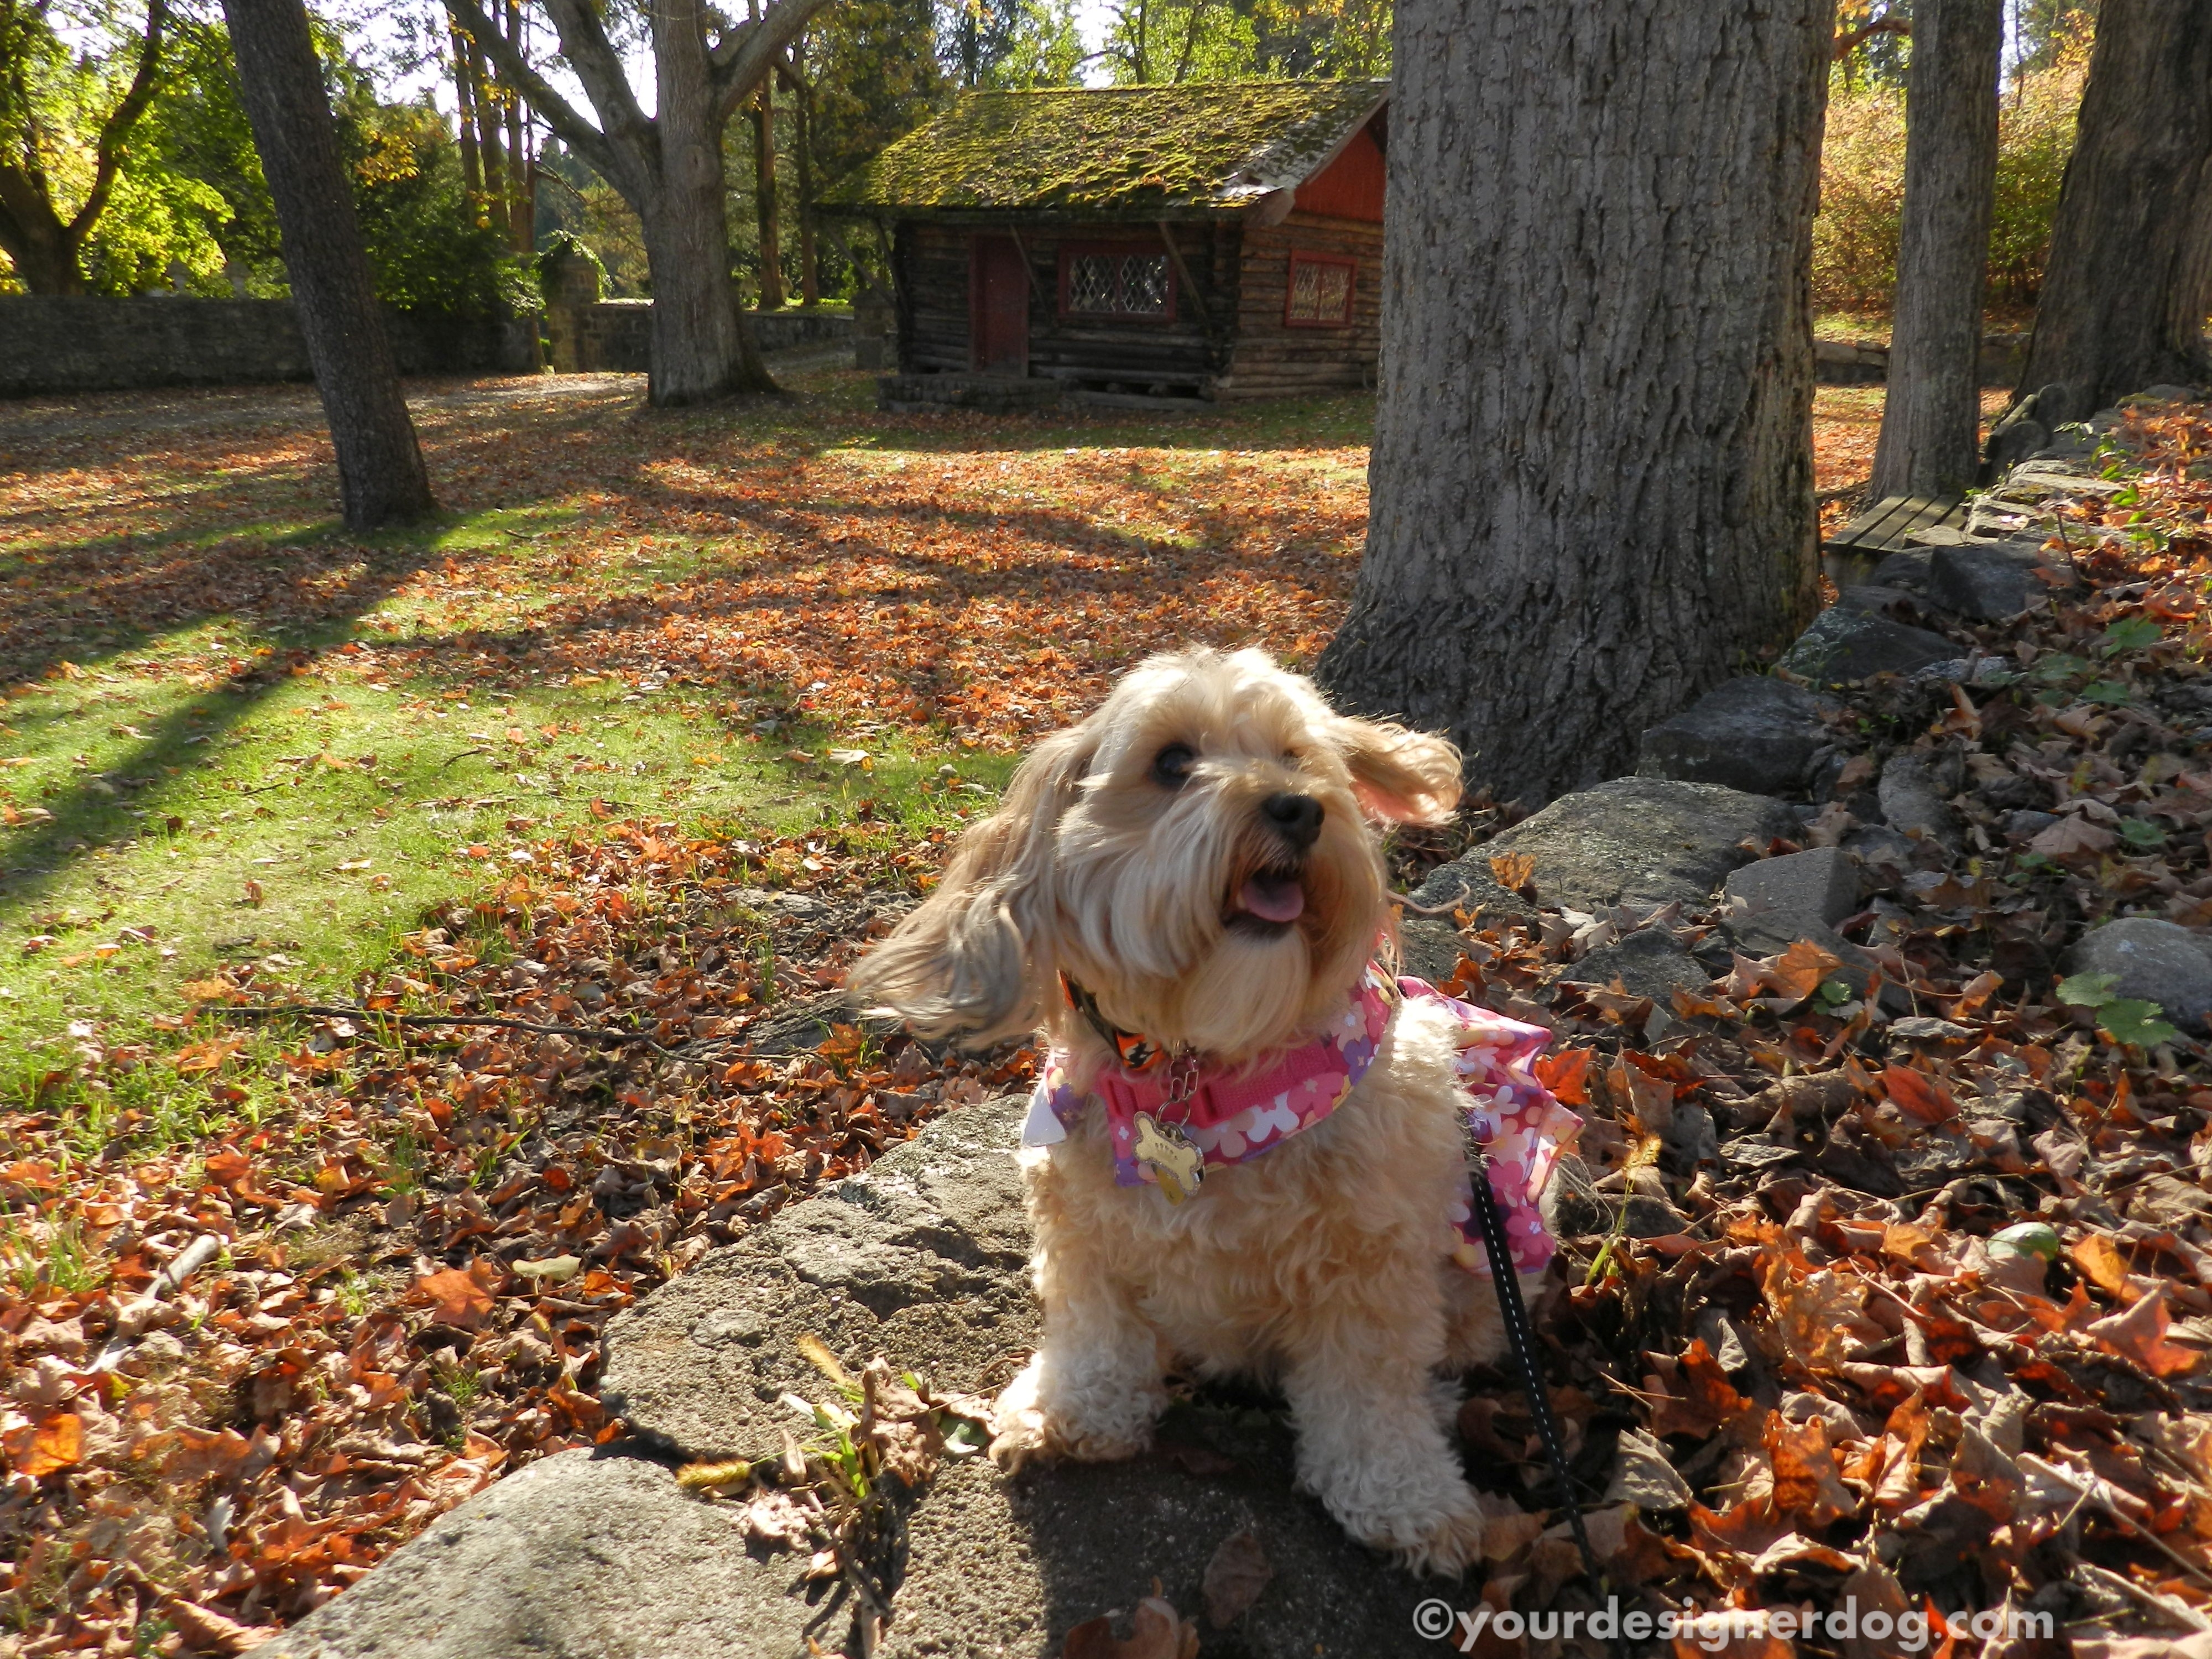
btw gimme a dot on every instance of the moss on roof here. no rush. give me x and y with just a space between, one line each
1120 149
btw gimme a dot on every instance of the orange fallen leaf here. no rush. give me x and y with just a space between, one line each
2139 1334
459 1296
55 1444
1917 1095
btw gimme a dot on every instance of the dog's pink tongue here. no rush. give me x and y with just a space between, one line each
1274 898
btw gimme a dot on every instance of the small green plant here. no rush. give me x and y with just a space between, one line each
353 1293
2129 1021
2129 634
400 1169
462 1383
66 1263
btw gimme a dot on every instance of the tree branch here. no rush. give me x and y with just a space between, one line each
121 120
744 56
1851 39
596 146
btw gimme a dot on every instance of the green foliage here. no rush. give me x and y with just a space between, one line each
1863 185
426 249
2128 1020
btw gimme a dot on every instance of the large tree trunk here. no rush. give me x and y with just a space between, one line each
380 474
1931 418
1592 481
701 350
39 243
2130 278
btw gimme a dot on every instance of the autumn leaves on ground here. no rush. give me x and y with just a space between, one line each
640 743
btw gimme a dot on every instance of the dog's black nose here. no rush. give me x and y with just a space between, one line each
1297 818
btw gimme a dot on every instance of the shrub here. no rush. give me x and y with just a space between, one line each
1863 186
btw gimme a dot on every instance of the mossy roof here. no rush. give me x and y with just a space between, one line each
1114 150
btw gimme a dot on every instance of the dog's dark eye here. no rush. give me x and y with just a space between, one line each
1171 766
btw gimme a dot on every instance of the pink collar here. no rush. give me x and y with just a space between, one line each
1170 1122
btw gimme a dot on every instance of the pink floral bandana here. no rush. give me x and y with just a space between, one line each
1169 1124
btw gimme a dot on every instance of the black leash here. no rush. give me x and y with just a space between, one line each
1522 1340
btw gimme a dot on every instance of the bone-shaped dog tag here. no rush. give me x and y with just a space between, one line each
1176 1164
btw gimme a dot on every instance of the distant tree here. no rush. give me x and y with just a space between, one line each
2129 280
381 478
1930 440
1592 477
668 166
1175 42
44 234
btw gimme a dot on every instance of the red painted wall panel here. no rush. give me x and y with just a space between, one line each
1351 187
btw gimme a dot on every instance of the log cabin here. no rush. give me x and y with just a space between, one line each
1130 244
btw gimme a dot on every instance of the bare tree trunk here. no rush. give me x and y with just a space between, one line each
1931 418
1592 477
381 478
701 348
520 187
668 165
464 101
2130 278
771 251
802 135
488 145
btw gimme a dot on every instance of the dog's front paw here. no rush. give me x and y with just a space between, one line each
1443 1537
1033 1420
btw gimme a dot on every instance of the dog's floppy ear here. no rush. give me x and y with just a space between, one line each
965 963
1399 776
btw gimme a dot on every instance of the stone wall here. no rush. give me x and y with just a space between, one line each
615 337
1857 363
49 345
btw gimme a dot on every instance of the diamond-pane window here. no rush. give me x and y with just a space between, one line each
1117 281
1320 291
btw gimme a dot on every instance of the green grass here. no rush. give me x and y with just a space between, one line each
224 786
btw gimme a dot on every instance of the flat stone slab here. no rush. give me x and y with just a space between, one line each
1000 1569
1843 644
582 1556
1641 842
925 1258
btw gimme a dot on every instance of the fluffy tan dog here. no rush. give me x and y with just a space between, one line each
1196 861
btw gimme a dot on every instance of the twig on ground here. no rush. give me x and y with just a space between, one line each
338 1011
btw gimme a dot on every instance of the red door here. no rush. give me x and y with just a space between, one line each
997 307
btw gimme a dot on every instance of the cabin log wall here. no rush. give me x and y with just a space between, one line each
1274 360
1185 355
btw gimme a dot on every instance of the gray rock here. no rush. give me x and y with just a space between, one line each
2026 823
1907 569
1884 856
1897 604
1821 884
1468 884
1987 581
1648 963
1841 646
1428 949
582 1556
1798 896
1756 734
1915 798
997 1568
923 1258
808 1023
1642 841
2156 961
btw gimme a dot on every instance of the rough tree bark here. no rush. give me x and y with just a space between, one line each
2130 278
1591 484
1930 440
667 165
48 249
381 478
